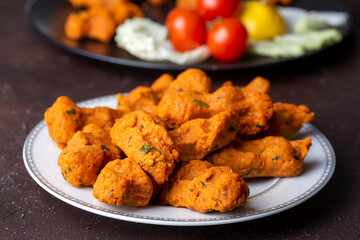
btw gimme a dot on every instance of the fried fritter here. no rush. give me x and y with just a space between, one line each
95 3
100 116
204 188
258 84
143 137
191 80
122 181
139 98
287 120
94 23
254 109
268 157
161 85
198 137
86 153
63 119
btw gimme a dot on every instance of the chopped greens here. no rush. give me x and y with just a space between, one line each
276 157
202 104
233 128
203 183
259 126
103 147
146 148
71 112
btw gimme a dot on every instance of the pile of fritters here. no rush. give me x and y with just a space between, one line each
178 143
98 19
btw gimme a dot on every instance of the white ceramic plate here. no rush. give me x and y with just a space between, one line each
267 195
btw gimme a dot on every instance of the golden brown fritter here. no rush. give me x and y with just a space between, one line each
143 137
95 3
204 188
268 157
94 23
139 98
258 84
122 11
161 85
100 116
198 137
122 181
80 165
86 153
287 120
254 109
63 119
191 80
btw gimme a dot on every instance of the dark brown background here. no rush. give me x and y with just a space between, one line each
33 73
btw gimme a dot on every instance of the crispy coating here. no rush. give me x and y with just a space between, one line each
254 109
125 10
287 120
143 137
161 84
268 157
198 137
191 80
258 84
204 188
85 154
122 181
139 98
94 23
80 165
100 116
63 119
95 3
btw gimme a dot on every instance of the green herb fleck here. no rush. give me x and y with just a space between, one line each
103 147
203 183
215 147
276 157
296 158
233 128
191 190
69 169
129 146
211 160
290 137
245 174
146 148
71 112
202 104
259 126
160 153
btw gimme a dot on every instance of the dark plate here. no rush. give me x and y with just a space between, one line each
48 17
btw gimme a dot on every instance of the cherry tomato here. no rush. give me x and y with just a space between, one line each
227 40
187 29
211 9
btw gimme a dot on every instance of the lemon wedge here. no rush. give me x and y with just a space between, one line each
262 20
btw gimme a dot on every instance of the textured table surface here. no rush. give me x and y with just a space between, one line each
33 73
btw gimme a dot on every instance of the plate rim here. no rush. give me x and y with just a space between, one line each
320 184
138 63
